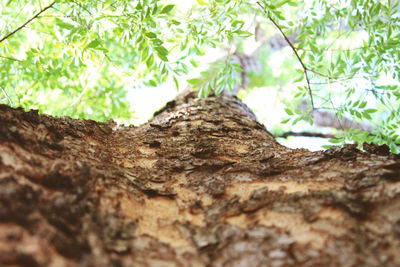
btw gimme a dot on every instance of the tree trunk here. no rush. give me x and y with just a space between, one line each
202 184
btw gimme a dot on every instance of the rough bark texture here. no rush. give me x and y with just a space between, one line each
202 184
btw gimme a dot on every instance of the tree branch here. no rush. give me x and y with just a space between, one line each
305 69
9 58
305 134
6 95
27 22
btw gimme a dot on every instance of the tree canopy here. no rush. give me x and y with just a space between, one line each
81 58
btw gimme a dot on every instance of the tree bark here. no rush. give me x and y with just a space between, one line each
202 184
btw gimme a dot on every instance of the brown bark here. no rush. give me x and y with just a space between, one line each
202 184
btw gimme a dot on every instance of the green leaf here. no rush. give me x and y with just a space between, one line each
150 34
150 61
367 116
64 25
194 81
288 111
93 44
167 9
243 33
334 140
105 50
371 110
156 42
176 83
194 63
153 83
161 50
163 58
298 79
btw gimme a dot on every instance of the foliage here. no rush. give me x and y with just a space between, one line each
80 57
350 49
220 76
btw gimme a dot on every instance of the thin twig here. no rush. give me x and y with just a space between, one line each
15 17
5 93
84 8
345 50
28 21
81 94
305 69
10 58
336 112
321 74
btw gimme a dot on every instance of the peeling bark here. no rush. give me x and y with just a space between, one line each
202 184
